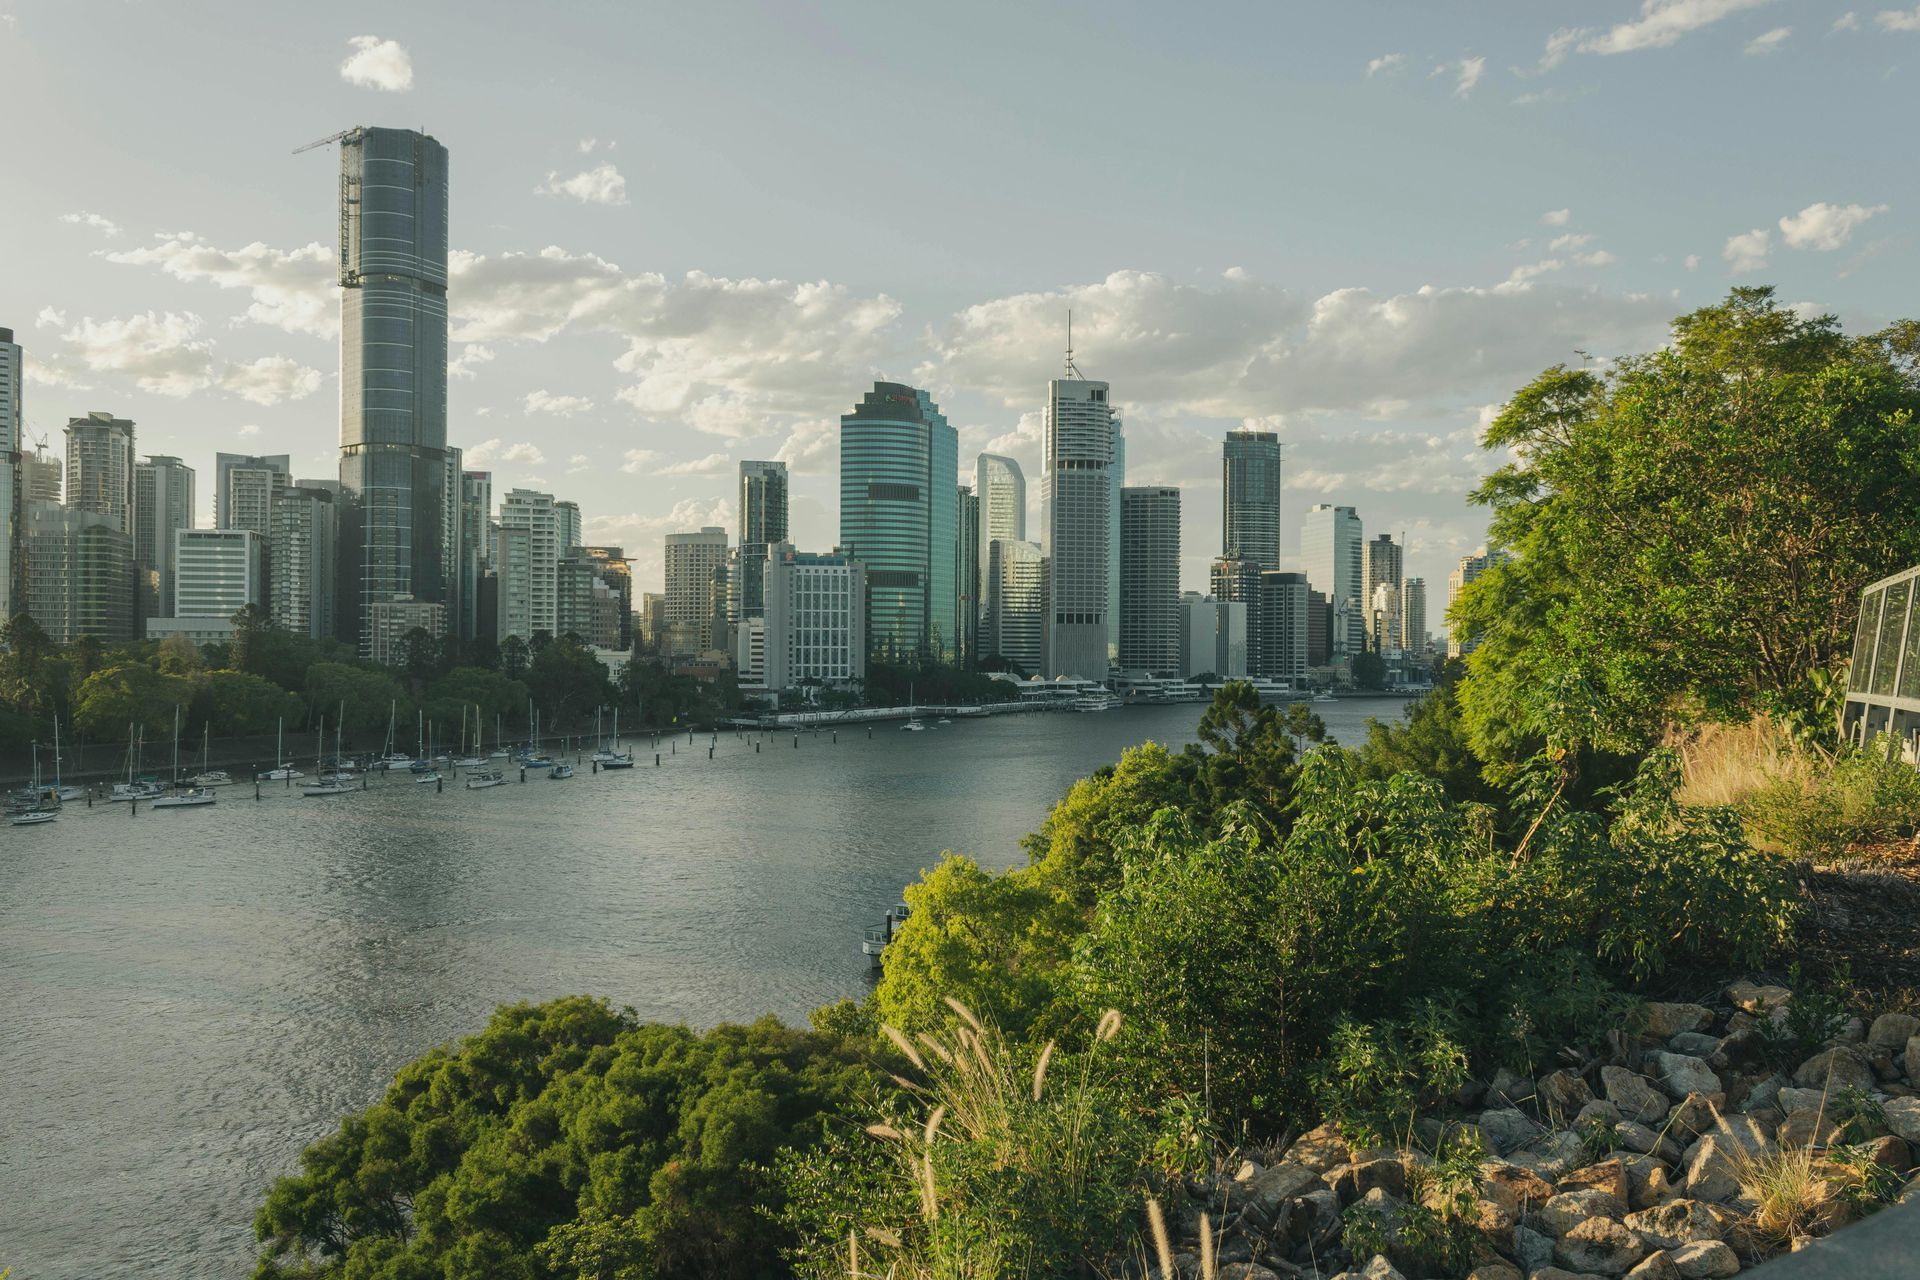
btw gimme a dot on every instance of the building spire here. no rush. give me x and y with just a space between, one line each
1073 370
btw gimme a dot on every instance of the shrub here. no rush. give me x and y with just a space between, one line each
1824 808
1374 1079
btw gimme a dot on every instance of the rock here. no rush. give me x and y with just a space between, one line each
1853 1032
1890 1152
1711 1170
1701 1046
1664 1021
1681 1074
1834 1068
1507 1129
1634 1094
1509 1089
1903 1117
1516 1189
1557 1273
1531 1249
1638 1137
1247 1171
1757 999
1609 1176
1597 1112
1600 1245
1246 1271
1498 1270
1742 1047
1745 1132
1648 1182
1380 1269
1675 1223
1692 1116
1912 1059
1807 1129
1705 1260
1267 1190
1655 1266
1353 1181
1561 1095
1791 1100
1319 1149
1765 1093
1563 1212
1893 1030
1495 1223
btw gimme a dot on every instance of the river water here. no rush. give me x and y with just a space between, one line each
189 997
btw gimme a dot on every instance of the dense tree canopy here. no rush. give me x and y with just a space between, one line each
1691 528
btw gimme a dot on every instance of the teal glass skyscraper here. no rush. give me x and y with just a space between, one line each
393 371
900 517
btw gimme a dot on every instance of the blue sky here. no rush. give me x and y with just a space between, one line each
691 234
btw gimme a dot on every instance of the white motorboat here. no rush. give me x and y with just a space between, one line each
127 791
561 771
33 818
428 778
914 726
285 773
1324 697
485 778
617 760
191 798
327 787
470 762
211 778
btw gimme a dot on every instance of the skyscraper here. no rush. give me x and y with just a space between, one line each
393 367
1330 545
244 486
899 517
1284 622
763 503
1015 624
966 577
13 484
693 561
1380 574
1413 615
303 551
1250 485
218 572
1150 578
100 467
162 503
1077 494
532 580
476 546
43 472
1470 568
568 514
1116 479
79 573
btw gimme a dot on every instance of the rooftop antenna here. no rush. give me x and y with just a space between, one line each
1073 370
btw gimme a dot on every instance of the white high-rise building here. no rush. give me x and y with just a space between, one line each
217 572
13 484
1078 495
1213 637
162 504
693 561
100 467
1470 567
1331 542
812 628
1150 578
1015 623
244 488
530 576
1413 616
1000 488
568 515
304 555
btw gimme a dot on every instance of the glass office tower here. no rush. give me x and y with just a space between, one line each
900 517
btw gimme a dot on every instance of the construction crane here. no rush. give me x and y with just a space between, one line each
329 140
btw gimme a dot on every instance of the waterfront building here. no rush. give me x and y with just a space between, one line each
1250 488
244 487
1213 637
42 473
1331 548
1380 565
1284 622
567 514
529 577
79 573
1469 568
1150 578
650 620
1238 582
595 586
966 578
162 504
1077 498
1384 627
899 517
393 370
303 559
217 572
1016 616
695 575
1413 616
13 482
810 630
1319 629
1000 492
476 548
396 617
100 466
1116 480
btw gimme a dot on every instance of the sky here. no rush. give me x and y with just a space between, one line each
686 235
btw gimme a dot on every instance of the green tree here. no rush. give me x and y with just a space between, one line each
179 656
1691 528
566 681
371 699
514 655
237 703
129 694
1369 670
249 624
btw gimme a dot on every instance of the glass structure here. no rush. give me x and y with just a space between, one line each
1250 481
900 518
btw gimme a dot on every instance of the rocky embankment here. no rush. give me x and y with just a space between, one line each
1689 1151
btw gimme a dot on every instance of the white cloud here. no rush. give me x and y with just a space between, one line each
1898 19
1559 45
378 64
105 226
494 450
601 184
49 318
586 145
1466 73
638 461
471 357
1825 227
714 464
270 379
1598 258
291 289
811 446
1747 251
578 462
1572 240
560 406
1768 42
1692 262
248 430
1848 21
1385 62
1556 217
1533 270
160 351
1662 23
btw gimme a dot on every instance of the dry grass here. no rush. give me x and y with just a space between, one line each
1726 764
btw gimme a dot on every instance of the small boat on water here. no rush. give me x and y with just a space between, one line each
211 778
485 778
427 779
561 771
142 790
1099 700
1324 697
470 762
327 787
33 818
191 798
617 760
284 773
537 762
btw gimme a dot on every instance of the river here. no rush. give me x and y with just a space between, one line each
189 997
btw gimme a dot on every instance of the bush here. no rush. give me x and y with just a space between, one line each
1860 797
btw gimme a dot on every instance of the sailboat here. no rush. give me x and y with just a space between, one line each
281 771
535 757
328 784
389 758
191 797
209 777
914 724
40 805
424 774
58 791
616 758
476 758
131 789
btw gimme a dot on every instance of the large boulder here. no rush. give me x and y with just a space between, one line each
1681 1074
1599 1245
1507 1129
1892 1031
1563 1212
1516 1189
1757 999
1791 1100
1665 1021
1655 1266
1634 1094
1903 1117
1705 1260
1267 1190
1712 1172
1498 1269
1835 1068
1561 1095
1677 1222
1532 1249
1609 1176
1807 1129
1638 1137
1319 1149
